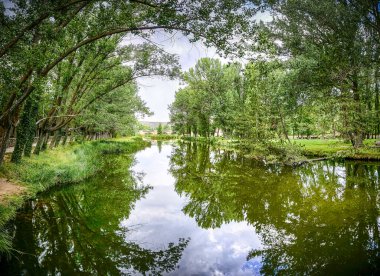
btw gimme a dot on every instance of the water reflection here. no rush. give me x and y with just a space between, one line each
78 230
221 251
317 219
243 218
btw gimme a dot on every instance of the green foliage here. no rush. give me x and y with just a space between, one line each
339 149
68 164
63 165
207 104
70 54
159 129
114 113
315 75
335 48
88 215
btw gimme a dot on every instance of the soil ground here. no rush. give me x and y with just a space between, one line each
8 189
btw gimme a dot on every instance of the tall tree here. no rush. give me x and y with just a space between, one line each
337 35
34 36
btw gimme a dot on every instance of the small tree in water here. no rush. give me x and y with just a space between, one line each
159 129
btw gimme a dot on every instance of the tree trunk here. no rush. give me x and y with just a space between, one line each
29 143
45 141
58 140
6 125
377 101
64 140
54 139
22 133
284 127
5 132
39 142
357 135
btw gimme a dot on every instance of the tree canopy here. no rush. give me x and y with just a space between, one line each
314 74
57 59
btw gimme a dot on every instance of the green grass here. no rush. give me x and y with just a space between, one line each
338 148
162 137
59 166
322 147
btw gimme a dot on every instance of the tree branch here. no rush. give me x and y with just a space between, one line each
32 25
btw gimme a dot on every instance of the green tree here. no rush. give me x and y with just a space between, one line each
159 129
338 38
38 36
207 104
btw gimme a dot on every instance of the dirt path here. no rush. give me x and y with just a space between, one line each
8 189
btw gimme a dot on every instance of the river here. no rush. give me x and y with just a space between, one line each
188 209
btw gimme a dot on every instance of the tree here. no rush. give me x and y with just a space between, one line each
337 36
35 40
159 129
95 73
207 104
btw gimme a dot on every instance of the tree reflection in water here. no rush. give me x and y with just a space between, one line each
77 230
321 218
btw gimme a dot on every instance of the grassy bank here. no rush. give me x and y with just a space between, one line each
339 148
162 137
63 165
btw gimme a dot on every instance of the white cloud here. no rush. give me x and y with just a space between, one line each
158 92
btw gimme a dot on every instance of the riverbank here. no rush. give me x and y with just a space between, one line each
298 151
269 152
335 148
162 137
59 166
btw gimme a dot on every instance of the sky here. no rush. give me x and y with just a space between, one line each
158 92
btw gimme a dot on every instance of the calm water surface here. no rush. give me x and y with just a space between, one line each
190 210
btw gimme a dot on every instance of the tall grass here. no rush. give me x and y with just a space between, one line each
60 166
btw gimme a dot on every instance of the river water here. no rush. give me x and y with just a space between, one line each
187 209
